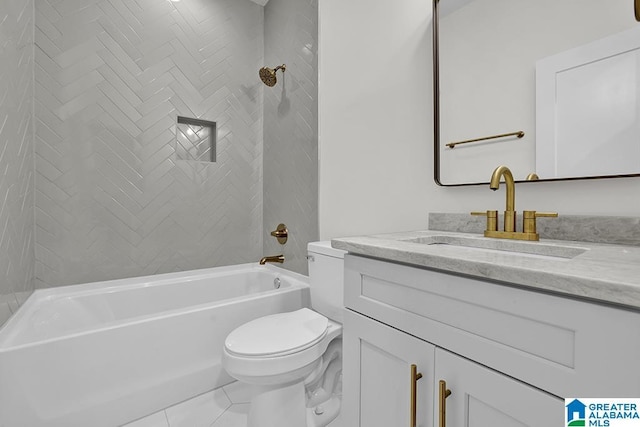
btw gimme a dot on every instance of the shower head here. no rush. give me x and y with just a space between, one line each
268 75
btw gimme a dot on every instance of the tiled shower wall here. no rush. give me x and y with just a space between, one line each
112 199
291 128
16 155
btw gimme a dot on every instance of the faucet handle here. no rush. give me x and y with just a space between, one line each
529 219
492 219
546 214
281 233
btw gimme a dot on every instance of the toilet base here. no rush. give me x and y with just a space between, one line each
281 406
286 407
323 414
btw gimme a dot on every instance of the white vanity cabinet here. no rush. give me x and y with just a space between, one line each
482 397
509 355
377 378
378 381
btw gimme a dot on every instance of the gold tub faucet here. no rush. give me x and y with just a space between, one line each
274 258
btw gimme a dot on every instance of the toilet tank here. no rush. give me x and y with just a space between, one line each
326 279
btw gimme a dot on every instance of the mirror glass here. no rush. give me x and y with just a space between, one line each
560 77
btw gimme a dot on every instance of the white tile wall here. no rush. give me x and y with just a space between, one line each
16 155
291 128
111 76
111 200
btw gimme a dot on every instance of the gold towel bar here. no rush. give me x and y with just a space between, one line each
519 134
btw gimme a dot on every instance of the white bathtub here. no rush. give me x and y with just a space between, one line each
106 353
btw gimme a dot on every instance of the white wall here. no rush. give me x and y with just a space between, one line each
375 116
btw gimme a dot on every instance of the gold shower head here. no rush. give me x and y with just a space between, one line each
268 75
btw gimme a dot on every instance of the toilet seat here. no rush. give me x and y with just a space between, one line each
287 357
278 335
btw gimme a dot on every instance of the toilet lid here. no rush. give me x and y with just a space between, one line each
281 334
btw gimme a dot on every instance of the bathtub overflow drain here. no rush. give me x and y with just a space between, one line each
276 283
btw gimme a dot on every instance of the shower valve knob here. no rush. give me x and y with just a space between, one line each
281 233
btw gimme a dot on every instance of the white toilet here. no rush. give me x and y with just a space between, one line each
294 360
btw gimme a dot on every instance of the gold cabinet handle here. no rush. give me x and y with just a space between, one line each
415 376
444 393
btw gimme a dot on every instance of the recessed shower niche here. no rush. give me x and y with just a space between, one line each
195 140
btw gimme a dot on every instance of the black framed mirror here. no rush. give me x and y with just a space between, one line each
546 87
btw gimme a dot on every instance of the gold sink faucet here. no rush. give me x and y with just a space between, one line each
529 231
510 210
275 258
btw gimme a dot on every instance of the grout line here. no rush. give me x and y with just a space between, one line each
166 417
226 394
219 416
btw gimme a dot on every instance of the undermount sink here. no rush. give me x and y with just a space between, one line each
512 246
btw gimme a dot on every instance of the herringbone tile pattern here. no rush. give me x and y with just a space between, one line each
291 128
195 143
112 200
16 155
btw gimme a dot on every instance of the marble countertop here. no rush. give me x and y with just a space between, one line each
596 271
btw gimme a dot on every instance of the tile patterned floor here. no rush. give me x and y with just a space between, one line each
225 407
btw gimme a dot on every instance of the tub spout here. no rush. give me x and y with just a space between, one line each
275 258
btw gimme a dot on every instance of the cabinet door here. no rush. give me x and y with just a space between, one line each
482 397
377 375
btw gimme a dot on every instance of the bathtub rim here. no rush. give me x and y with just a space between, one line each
39 296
